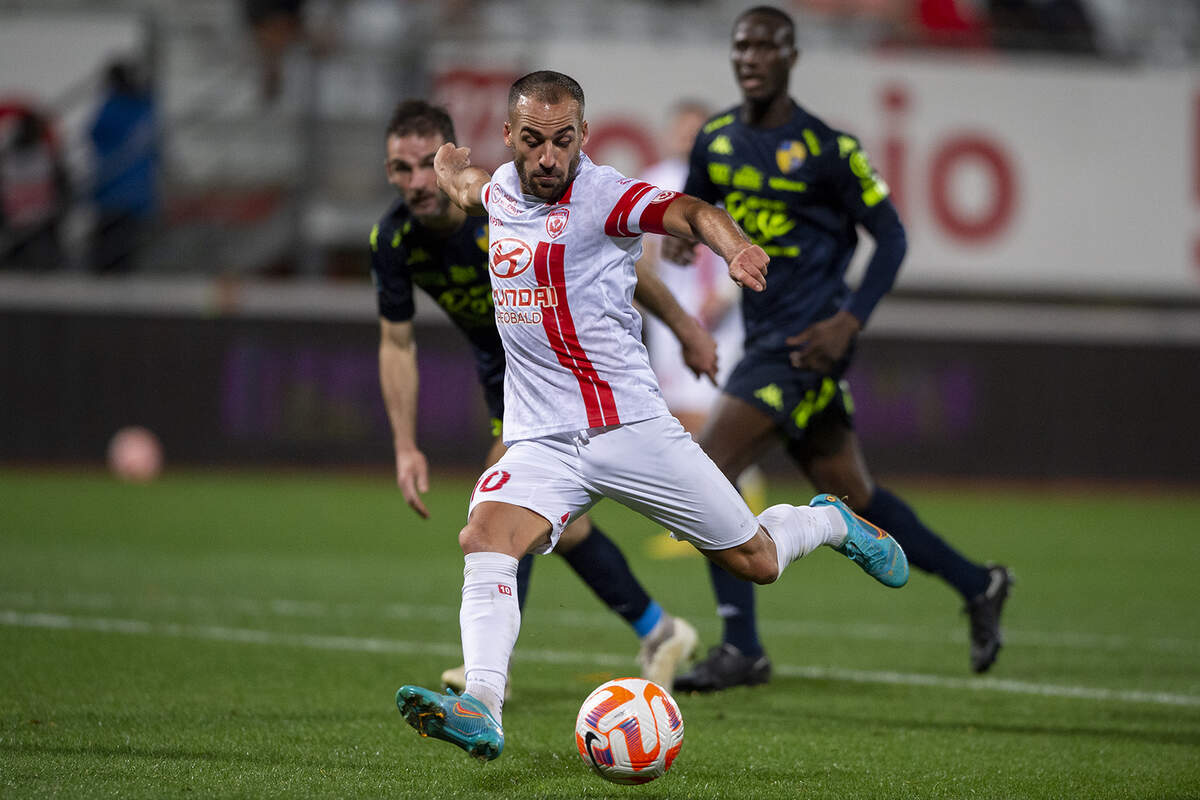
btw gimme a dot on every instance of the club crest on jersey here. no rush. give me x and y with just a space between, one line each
790 156
663 197
509 257
556 223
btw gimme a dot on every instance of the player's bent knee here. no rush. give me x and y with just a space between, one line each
503 528
763 573
476 538
753 567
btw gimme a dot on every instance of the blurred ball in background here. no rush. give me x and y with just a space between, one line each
135 454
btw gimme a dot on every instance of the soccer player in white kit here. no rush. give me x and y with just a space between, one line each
583 415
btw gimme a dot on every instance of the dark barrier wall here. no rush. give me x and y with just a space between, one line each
224 390
235 390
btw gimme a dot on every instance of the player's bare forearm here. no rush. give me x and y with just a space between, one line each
461 182
398 381
693 219
654 295
697 344
398 378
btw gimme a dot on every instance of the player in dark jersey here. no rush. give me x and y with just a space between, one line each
800 189
425 241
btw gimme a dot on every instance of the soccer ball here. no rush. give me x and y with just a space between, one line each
629 730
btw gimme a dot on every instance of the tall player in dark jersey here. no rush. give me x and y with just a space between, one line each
800 189
424 240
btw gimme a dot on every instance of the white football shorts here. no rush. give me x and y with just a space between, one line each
653 467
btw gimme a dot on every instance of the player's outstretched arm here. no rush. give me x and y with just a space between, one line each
458 179
698 347
693 219
398 380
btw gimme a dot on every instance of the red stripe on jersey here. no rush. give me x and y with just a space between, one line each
598 400
652 217
618 221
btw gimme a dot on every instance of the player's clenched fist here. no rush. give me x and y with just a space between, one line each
749 268
450 160
456 177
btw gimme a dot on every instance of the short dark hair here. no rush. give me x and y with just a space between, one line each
777 15
546 85
421 118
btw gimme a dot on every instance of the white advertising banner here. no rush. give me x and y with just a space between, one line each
1044 177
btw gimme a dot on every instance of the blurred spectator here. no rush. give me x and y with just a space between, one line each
949 23
34 191
276 25
124 136
923 23
1063 26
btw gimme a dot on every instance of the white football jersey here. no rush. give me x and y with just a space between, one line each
563 277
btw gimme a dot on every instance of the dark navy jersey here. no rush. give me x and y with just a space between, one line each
798 191
452 270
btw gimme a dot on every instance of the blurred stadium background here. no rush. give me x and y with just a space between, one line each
1045 156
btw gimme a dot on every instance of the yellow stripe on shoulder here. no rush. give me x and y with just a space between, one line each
814 144
718 123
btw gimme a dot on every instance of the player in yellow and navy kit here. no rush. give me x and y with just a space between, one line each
425 241
800 189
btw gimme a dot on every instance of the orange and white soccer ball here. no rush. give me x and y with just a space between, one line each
629 730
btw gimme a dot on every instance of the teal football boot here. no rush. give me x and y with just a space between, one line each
460 720
879 555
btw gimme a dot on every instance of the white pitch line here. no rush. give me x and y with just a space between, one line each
774 627
989 685
375 645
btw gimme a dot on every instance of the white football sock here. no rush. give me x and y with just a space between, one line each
798 530
490 620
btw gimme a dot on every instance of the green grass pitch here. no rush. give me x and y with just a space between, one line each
243 635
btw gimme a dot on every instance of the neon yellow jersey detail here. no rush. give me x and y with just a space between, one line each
784 185
719 174
762 218
815 401
771 395
718 123
814 144
875 192
747 177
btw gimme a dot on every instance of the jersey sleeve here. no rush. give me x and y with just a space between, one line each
635 207
698 183
864 194
389 271
855 181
